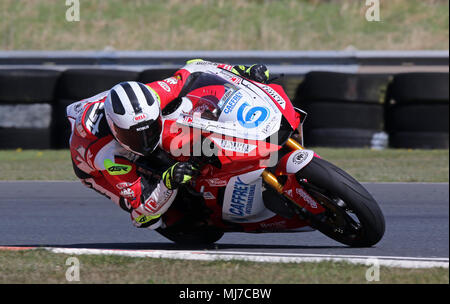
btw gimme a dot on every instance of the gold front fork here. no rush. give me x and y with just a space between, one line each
293 144
270 178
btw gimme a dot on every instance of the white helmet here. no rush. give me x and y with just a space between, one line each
134 116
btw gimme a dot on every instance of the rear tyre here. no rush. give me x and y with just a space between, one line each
352 215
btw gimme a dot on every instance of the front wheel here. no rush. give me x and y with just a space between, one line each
352 215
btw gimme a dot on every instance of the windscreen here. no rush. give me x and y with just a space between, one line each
209 94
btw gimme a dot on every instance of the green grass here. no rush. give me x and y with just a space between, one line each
224 25
366 165
21 267
391 165
36 165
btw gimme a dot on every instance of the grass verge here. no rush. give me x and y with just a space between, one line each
36 165
223 25
21 267
391 165
366 165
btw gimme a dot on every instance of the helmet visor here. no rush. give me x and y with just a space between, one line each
141 138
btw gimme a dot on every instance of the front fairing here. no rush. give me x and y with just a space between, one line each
232 120
232 107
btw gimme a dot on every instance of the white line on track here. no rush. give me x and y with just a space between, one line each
211 255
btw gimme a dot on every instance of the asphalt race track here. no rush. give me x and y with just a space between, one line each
66 214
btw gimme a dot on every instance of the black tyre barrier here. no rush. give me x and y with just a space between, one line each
418 87
155 75
27 85
416 111
289 83
433 117
419 140
77 84
25 138
346 137
60 124
343 115
330 86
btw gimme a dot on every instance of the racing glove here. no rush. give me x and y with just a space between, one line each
257 72
178 174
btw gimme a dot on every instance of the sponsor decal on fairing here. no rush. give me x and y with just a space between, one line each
306 197
232 102
225 67
298 160
274 226
243 200
280 100
253 117
234 146
216 182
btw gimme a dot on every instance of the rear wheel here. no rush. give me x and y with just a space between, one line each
352 215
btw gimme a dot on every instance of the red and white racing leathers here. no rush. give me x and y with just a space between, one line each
103 164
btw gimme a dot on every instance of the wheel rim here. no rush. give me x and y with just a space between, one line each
339 220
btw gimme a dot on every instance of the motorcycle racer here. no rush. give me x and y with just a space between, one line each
115 129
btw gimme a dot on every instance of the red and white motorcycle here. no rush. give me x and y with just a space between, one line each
254 176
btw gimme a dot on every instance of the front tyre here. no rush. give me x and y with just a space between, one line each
352 215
